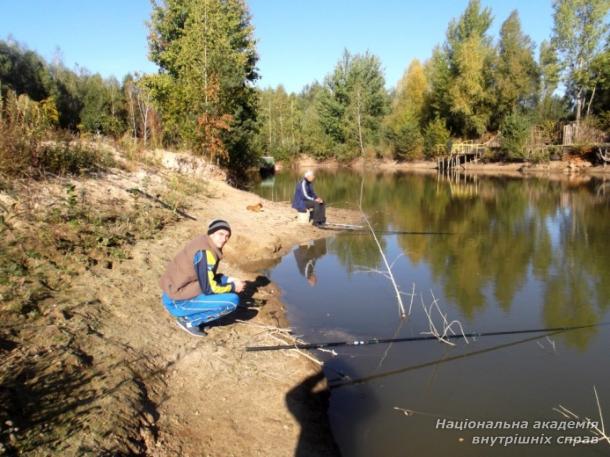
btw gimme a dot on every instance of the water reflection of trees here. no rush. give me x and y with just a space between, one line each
553 231
504 234
361 251
575 287
496 225
512 229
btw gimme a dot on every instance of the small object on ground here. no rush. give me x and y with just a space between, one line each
256 208
304 217
192 330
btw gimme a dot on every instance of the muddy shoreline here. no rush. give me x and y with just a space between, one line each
568 167
104 370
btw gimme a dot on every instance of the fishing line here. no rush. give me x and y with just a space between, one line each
361 230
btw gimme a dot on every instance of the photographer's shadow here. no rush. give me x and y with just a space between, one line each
308 403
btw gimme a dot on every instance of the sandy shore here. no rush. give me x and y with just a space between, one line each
106 371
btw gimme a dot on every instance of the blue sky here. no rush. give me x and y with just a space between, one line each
299 41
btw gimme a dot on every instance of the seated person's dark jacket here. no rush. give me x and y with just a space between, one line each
302 192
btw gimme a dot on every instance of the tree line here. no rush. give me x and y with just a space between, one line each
204 96
471 87
83 102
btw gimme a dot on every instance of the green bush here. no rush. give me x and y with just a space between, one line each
344 152
406 140
71 158
29 146
436 138
515 132
26 156
489 155
539 155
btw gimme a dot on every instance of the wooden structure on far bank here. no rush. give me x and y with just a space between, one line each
461 153
571 136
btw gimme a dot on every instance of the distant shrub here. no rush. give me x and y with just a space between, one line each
67 157
345 152
436 138
604 122
539 155
550 131
555 152
405 139
29 146
286 153
515 132
490 155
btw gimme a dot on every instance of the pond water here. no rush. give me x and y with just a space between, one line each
500 254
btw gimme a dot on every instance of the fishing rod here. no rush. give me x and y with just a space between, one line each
371 341
346 380
360 229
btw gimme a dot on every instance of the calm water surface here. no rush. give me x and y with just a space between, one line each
520 254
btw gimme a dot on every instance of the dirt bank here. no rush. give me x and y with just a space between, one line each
102 369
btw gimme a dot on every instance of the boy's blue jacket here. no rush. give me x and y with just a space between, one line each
303 192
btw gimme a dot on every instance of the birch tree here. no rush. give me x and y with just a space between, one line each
579 33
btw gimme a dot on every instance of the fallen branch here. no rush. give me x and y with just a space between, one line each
412 295
266 327
300 352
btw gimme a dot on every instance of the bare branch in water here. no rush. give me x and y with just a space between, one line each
551 343
446 325
599 431
390 275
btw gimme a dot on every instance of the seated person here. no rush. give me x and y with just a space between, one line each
305 198
193 292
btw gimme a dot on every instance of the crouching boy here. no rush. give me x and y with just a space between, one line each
193 291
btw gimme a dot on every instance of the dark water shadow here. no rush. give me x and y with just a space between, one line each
252 288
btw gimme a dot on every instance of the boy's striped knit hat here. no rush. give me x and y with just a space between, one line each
218 224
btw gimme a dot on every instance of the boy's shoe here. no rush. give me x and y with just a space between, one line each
192 330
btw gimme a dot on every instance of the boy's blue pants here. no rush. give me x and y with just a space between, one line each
202 308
